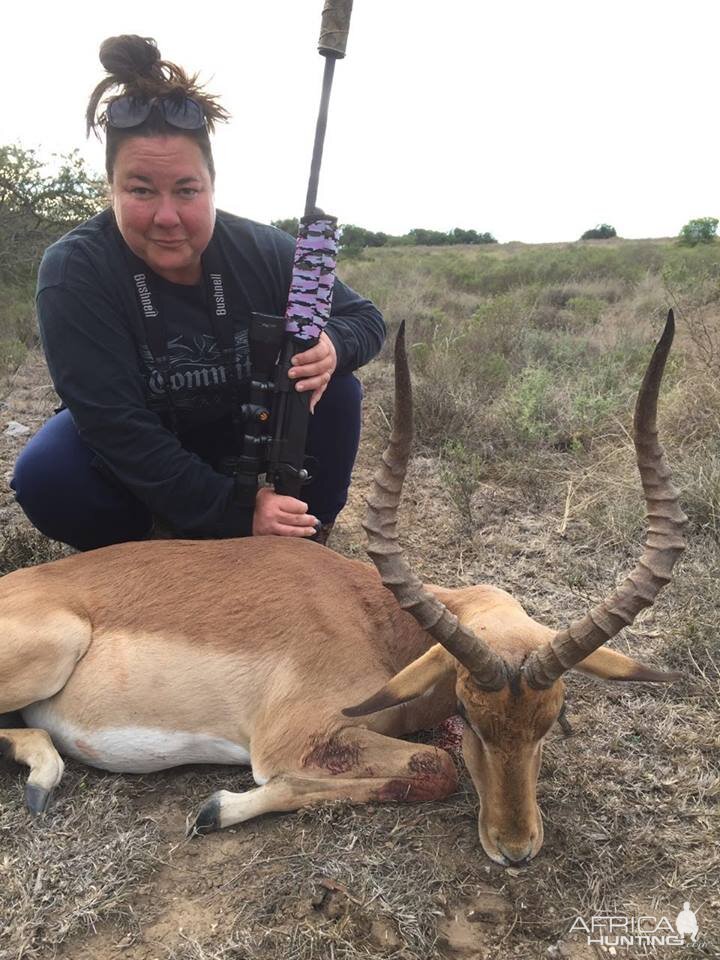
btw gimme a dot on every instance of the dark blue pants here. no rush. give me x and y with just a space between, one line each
63 493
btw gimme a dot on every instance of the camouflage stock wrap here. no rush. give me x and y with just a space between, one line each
313 276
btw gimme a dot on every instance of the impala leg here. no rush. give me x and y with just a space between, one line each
355 765
34 749
38 652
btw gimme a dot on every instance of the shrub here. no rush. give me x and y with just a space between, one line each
603 231
352 236
498 327
586 310
428 238
457 235
569 306
702 230
36 207
418 236
463 471
289 225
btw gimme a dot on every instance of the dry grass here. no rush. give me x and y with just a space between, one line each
73 869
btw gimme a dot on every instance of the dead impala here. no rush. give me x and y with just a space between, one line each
126 659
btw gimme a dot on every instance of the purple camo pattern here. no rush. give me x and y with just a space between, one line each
313 277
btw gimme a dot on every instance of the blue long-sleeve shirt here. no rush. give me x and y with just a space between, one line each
104 370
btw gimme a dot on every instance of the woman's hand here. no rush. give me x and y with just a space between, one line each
280 516
314 367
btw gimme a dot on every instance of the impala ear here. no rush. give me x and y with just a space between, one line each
411 682
607 664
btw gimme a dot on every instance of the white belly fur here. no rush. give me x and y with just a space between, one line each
133 749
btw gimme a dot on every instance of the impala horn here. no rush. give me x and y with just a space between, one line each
663 545
487 668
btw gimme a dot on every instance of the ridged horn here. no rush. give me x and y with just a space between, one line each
487 668
663 545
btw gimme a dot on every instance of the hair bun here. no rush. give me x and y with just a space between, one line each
129 56
134 64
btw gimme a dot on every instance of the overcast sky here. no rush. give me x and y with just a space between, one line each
534 121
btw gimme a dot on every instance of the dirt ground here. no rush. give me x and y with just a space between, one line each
630 800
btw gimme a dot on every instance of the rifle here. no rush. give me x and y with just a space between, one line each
274 341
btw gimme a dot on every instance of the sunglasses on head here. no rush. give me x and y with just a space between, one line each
183 113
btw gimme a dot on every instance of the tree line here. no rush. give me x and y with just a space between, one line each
40 202
354 238
700 230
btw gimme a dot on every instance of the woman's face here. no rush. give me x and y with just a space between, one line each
163 200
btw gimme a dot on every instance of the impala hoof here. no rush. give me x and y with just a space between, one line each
36 799
208 818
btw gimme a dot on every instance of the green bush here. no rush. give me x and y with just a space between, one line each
470 236
702 230
603 231
586 310
37 206
352 236
463 470
289 225
419 236
530 405
497 327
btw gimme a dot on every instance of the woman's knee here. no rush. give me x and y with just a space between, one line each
35 472
63 494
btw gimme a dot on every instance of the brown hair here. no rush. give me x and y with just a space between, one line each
134 63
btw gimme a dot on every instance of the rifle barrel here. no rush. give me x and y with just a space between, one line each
311 199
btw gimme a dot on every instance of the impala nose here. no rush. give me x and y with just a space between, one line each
515 857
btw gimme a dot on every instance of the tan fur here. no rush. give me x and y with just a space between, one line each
504 732
221 639
496 617
258 645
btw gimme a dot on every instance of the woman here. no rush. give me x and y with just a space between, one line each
137 355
